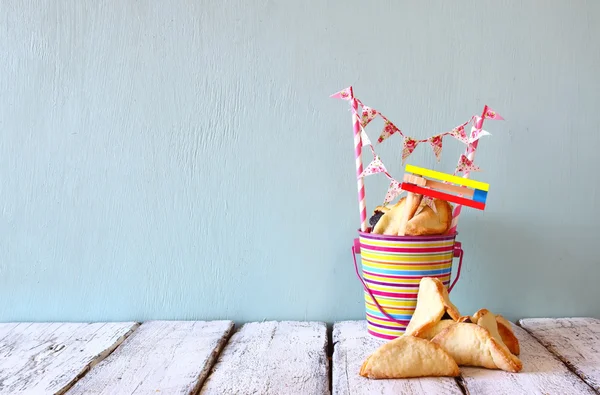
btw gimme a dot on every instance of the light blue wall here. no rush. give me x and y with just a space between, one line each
183 159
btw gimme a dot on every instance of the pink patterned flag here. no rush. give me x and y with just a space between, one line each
460 134
368 114
409 146
491 114
345 94
436 143
364 138
388 130
393 191
476 134
465 165
376 166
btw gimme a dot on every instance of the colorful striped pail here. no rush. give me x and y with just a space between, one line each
392 267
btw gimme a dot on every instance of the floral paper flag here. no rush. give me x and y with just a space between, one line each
393 191
364 138
368 114
465 165
376 166
476 134
491 114
345 94
460 134
388 130
409 146
436 143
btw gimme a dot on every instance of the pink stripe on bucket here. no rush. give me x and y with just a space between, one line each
394 294
405 322
439 276
400 239
408 250
381 335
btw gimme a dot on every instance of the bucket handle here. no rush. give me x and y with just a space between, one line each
458 253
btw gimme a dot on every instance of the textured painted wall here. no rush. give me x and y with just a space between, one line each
182 159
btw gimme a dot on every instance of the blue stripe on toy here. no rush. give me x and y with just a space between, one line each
479 195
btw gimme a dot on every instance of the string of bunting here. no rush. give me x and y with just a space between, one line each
465 165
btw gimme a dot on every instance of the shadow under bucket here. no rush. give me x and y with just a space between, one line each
392 267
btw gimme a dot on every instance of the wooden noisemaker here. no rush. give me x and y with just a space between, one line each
465 192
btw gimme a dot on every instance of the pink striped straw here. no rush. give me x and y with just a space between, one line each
471 156
362 205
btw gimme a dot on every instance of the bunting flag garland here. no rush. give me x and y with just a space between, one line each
476 134
409 146
436 144
460 134
465 165
368 114
376 166
388 130
491 114
394 190
344 94
364 138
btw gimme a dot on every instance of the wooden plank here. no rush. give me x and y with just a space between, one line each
273 358
40 358
575 341
352 345
542 373
168 357
6 328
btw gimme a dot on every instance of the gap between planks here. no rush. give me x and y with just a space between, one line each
472 380
575 341
542 372
49 357
273 357
172 357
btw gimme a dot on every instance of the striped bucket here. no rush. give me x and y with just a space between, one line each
392 267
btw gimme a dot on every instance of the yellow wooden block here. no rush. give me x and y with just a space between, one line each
447 177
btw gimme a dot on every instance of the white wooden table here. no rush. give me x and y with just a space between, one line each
560 356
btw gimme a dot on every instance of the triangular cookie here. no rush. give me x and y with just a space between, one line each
473 345
499 328
413 200
435 329
389 222
507 334
432 303
486 319
409 356
426 222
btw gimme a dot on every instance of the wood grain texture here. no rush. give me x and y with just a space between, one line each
6 328
576 341
352 345
47 358
273 358
542 373
169 357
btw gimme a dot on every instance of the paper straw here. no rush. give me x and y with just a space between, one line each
362 205
471 157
